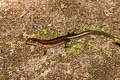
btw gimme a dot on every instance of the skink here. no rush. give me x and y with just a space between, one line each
58 40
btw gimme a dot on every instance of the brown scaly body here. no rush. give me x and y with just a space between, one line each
59 40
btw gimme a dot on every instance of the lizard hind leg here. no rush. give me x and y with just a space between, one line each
69 34
66 43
